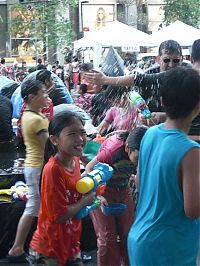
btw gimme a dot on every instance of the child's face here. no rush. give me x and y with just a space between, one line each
133 156
71 140
41 97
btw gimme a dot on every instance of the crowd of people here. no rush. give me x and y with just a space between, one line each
156 159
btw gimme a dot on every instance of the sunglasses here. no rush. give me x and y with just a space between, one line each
174 60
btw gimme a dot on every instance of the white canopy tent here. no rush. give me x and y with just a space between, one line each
184 34
116 34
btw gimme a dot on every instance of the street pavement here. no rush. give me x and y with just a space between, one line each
4 262
92 262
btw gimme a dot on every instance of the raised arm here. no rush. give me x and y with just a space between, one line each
100 78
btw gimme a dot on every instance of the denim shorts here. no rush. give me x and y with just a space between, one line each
32 177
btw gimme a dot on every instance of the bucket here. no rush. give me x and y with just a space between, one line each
91 148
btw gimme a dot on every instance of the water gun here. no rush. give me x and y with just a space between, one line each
140 103
17 192
94 181
86 210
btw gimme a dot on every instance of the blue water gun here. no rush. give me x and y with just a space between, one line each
95 181
140 103
87 209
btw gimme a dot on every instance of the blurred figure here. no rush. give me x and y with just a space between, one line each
75 71
24 67
55 66
195 55
47 65
85 98
67 72
40 65
7 154
3 68
85 68
194 132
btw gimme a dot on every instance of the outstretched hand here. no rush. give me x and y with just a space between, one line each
95 77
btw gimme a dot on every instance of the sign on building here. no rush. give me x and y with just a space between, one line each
95 16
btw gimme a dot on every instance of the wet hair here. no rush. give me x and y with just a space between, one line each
60 121
43 75
135 137
30 87
83 88
180 91
196 51
114 93
171 47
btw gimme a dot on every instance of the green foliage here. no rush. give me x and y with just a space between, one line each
44 22
187 11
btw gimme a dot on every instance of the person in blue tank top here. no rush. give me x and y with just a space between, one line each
166 229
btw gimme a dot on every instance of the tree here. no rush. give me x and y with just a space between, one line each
41 24
187 11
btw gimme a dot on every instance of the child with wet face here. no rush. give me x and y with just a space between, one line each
57 237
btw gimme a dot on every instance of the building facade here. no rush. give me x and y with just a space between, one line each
86 16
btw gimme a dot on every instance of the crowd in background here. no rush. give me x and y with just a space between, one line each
107 103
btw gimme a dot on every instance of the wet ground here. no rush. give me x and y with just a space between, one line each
11 171
92 262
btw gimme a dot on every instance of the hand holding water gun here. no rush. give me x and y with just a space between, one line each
140 103
95 181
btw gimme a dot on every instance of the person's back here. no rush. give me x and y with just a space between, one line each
160 215
40 65
165 231
6 132
7 137
195 58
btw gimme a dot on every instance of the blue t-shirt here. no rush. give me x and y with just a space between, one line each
162 234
